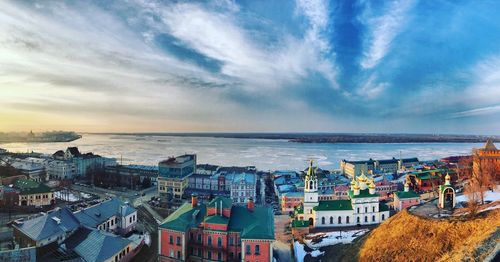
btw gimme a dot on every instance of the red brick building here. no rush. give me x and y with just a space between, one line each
217 231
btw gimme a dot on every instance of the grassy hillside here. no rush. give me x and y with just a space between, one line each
406 237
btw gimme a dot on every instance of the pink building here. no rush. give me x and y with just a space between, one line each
405 199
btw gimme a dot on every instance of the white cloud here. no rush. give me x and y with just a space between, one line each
382 31
477 111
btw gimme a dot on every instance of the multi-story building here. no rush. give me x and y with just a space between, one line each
387 165
242 186
130 176
32 193
206 186
61 233
60 169
404 163
362 208
173 175
85 163
355 168
112 215
32 168
217 231
9 196
206 169
52 227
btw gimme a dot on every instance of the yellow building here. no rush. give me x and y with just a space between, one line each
173 175
33 193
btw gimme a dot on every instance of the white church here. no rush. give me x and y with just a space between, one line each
362 208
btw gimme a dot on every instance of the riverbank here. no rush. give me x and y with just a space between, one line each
332 138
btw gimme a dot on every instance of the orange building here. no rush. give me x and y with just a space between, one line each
489 154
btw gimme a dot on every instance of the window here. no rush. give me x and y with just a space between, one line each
340 220
373 209
219 242
366 209
347 220
248 249
257 250
171 240
331 220
178 241
209 254
179 254
231 255
199 252
209 241
357 220
230 241
358 210
373 218
128 249
366 219
199 238
383 216
219 256
323 220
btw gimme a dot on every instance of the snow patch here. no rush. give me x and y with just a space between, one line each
331 238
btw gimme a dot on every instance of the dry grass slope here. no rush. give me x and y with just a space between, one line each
406 237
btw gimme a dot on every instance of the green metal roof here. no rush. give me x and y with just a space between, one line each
182 218
226 202
443 187
333 205
28 187
256 224
382 207
217 220
362 194
410 194
300 223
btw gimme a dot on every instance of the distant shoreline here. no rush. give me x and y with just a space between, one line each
331 138
46 137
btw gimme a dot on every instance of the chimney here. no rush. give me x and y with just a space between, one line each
194 200
250 204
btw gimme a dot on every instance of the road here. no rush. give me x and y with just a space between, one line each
131 196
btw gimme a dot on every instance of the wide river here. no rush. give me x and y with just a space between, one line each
263 153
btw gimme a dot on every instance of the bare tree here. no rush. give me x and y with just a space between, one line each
464 168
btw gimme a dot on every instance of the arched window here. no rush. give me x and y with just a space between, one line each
331 220
357 220
340 220
373 218
323 220
366 219
366 209
383 216
209 241
347 220
373 209
219 241
311 185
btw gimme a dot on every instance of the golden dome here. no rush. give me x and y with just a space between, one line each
362 178
353 182
356 186
447 177
372 185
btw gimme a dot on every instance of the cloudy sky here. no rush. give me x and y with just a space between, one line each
337 66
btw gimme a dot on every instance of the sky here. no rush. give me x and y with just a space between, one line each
250 66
